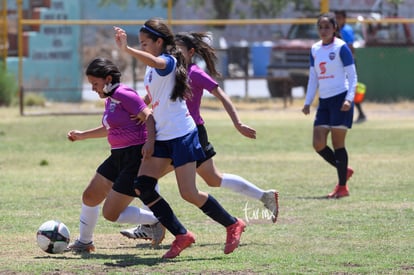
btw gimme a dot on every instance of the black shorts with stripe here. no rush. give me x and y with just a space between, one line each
121 167
205 144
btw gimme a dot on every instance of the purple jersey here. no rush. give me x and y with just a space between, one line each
199 81
122 131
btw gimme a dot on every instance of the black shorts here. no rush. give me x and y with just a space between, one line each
121 167
205 144
329 113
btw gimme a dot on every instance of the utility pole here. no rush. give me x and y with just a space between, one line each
324 6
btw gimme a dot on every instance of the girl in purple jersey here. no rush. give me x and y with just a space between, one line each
176 139
114 178
332 72
192 44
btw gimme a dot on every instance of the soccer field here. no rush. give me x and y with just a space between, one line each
42 176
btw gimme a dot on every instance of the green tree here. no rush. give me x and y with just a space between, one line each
395 4
8 86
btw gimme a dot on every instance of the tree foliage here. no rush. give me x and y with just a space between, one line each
8 86
224 8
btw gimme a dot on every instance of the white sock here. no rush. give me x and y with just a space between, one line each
135 215
241 186
88 220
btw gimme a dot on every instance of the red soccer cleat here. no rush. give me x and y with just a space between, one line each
180 243
339 192
234 232
349 173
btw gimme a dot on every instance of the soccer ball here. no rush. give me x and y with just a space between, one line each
53 237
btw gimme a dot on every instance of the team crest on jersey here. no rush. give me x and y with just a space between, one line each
112 106
332 56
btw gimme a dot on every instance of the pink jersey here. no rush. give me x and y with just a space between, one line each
199 81
122 131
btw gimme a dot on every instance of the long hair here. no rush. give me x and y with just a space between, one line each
332 19
156 28
199 42
102 67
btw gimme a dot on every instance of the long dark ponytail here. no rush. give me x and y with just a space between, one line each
156 28
199 42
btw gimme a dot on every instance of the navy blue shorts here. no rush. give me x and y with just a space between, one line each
180 150
121 167
329 113
205 144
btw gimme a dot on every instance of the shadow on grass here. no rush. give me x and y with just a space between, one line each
133 260
128 260
316 198
55 257
123 260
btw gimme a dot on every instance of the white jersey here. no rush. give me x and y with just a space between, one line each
332 69
172 118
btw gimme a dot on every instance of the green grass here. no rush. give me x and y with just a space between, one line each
42 177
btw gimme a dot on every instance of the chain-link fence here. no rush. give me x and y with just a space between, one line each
58 39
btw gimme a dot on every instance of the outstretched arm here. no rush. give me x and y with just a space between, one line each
231 110
98 132
143 56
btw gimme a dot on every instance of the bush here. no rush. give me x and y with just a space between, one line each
34 99
8 86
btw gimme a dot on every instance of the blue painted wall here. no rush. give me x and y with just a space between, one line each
53 66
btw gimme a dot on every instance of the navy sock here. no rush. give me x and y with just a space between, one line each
214 210
361 113
167 218
328 155
341 157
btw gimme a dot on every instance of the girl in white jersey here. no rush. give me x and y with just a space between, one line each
175 140
332 70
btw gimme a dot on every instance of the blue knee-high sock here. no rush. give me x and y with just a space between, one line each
214 210
328 155
166 216
341 157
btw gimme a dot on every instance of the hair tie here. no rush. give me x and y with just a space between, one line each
151 30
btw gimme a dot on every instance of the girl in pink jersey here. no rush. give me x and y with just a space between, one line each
176 139
114 178
332 72
192 44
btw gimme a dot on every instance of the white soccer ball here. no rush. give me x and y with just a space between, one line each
53 237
